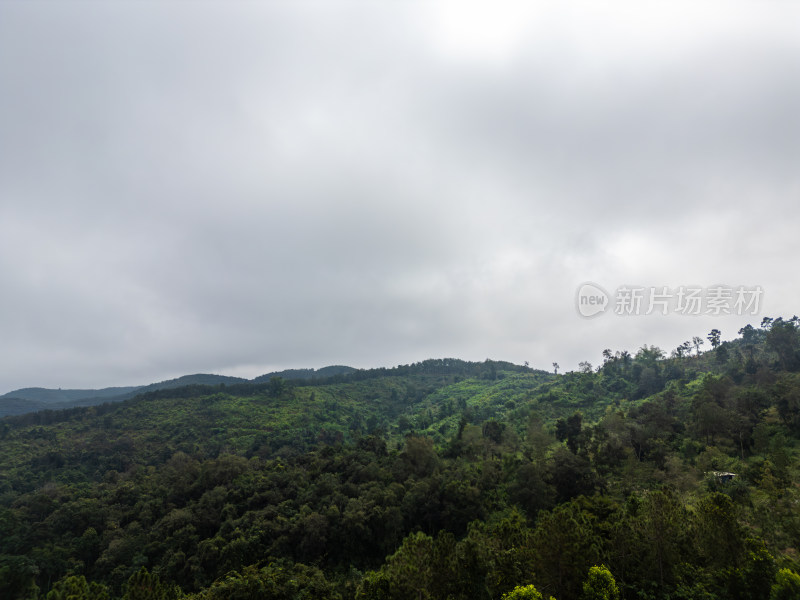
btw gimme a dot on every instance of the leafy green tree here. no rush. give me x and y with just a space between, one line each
570 475
682 350
750 335
529 490
375 585
649 356
786 586
710 412
277 385
500 550
408 573
17 578
716 530
493 430
787 400
420 455
600 585
569 430
714 336
524 592
538 439
279 580
757 573
565 545
146 586
660 525
783 337
75 587
648 381
404 424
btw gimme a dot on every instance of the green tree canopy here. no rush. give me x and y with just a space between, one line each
524 592
75 587
600 585
786 586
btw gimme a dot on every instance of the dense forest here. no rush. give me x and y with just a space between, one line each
655 475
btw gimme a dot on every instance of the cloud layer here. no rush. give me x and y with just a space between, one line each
240 187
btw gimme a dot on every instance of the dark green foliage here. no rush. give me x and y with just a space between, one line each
144 586
523 592
276 581
77 588
753 579
566 543
18 577
442 479
786 586
600 585
783 338
717 531
569 431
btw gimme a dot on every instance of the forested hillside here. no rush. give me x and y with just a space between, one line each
658 475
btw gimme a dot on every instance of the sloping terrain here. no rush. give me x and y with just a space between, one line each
441 479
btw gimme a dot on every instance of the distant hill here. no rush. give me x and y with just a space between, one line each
27 400
48 396
322 373
34 399
198 379
20 406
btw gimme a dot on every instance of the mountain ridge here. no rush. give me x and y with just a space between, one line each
34 399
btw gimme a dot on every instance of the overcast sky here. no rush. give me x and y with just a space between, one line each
238 187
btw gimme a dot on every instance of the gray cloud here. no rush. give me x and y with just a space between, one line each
239 187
